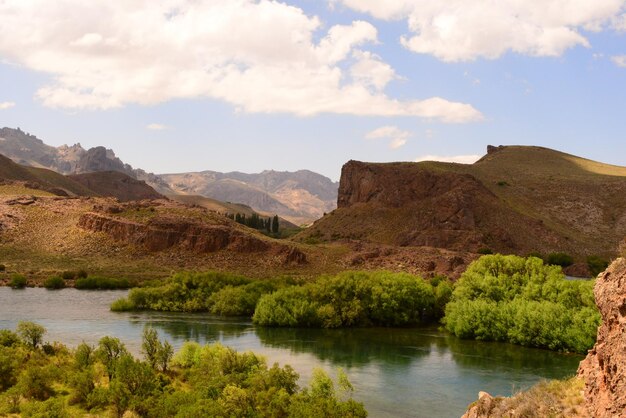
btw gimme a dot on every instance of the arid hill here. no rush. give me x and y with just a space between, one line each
116 184
516 199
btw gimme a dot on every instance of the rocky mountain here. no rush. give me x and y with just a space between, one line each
27 149
300 196
514 200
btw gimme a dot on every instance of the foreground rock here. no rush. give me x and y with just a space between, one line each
604 369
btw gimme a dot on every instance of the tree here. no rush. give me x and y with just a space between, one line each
109 350
275 224
164 355
31 333
150 345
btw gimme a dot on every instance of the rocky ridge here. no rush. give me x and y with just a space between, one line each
515 199
604 369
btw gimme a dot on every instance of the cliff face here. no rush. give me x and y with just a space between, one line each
164 232
604 369
408 204
515 200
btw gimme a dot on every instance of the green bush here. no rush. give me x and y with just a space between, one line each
54 282
596 264
559 259
199 292
123 305
350 299
523 301
485 251
103 283
18 281
81 274
68 275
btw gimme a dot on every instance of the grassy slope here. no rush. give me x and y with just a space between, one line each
47 241
10 170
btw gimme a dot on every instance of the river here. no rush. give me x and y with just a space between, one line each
399 372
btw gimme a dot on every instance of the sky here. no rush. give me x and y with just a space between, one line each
248 85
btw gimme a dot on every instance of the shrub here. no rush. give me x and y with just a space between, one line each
596 264
523 301
31 333
123 305
18 281
54 282
8 338
485 251
2 267
560 259
68 275
350 299
101 283
81 274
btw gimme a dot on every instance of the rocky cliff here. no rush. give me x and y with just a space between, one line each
146 224
604 369
513 200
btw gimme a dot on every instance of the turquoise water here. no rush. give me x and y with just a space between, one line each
400 372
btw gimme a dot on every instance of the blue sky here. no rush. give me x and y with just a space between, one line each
181 85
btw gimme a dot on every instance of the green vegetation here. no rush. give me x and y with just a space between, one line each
219 293
347 299
31 333
103 283
54 282
198 381
523 301
354 299
596 264
18 281
559 259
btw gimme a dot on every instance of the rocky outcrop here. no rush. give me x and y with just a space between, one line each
408 204
101 159
604 369
162 233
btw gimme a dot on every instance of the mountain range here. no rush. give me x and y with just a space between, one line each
300 197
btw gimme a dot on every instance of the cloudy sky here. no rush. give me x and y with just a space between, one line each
187 85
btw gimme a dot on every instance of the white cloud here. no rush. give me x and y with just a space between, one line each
461 30
6 105
462 159
619 60
396 136
260 56
156 127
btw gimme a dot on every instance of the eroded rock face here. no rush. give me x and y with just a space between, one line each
604 369
160 234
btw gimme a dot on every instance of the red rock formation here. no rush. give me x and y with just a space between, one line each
162 233
604 369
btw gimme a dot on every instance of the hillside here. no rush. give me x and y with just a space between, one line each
299 197
41 179
225 207
515 200
116 184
